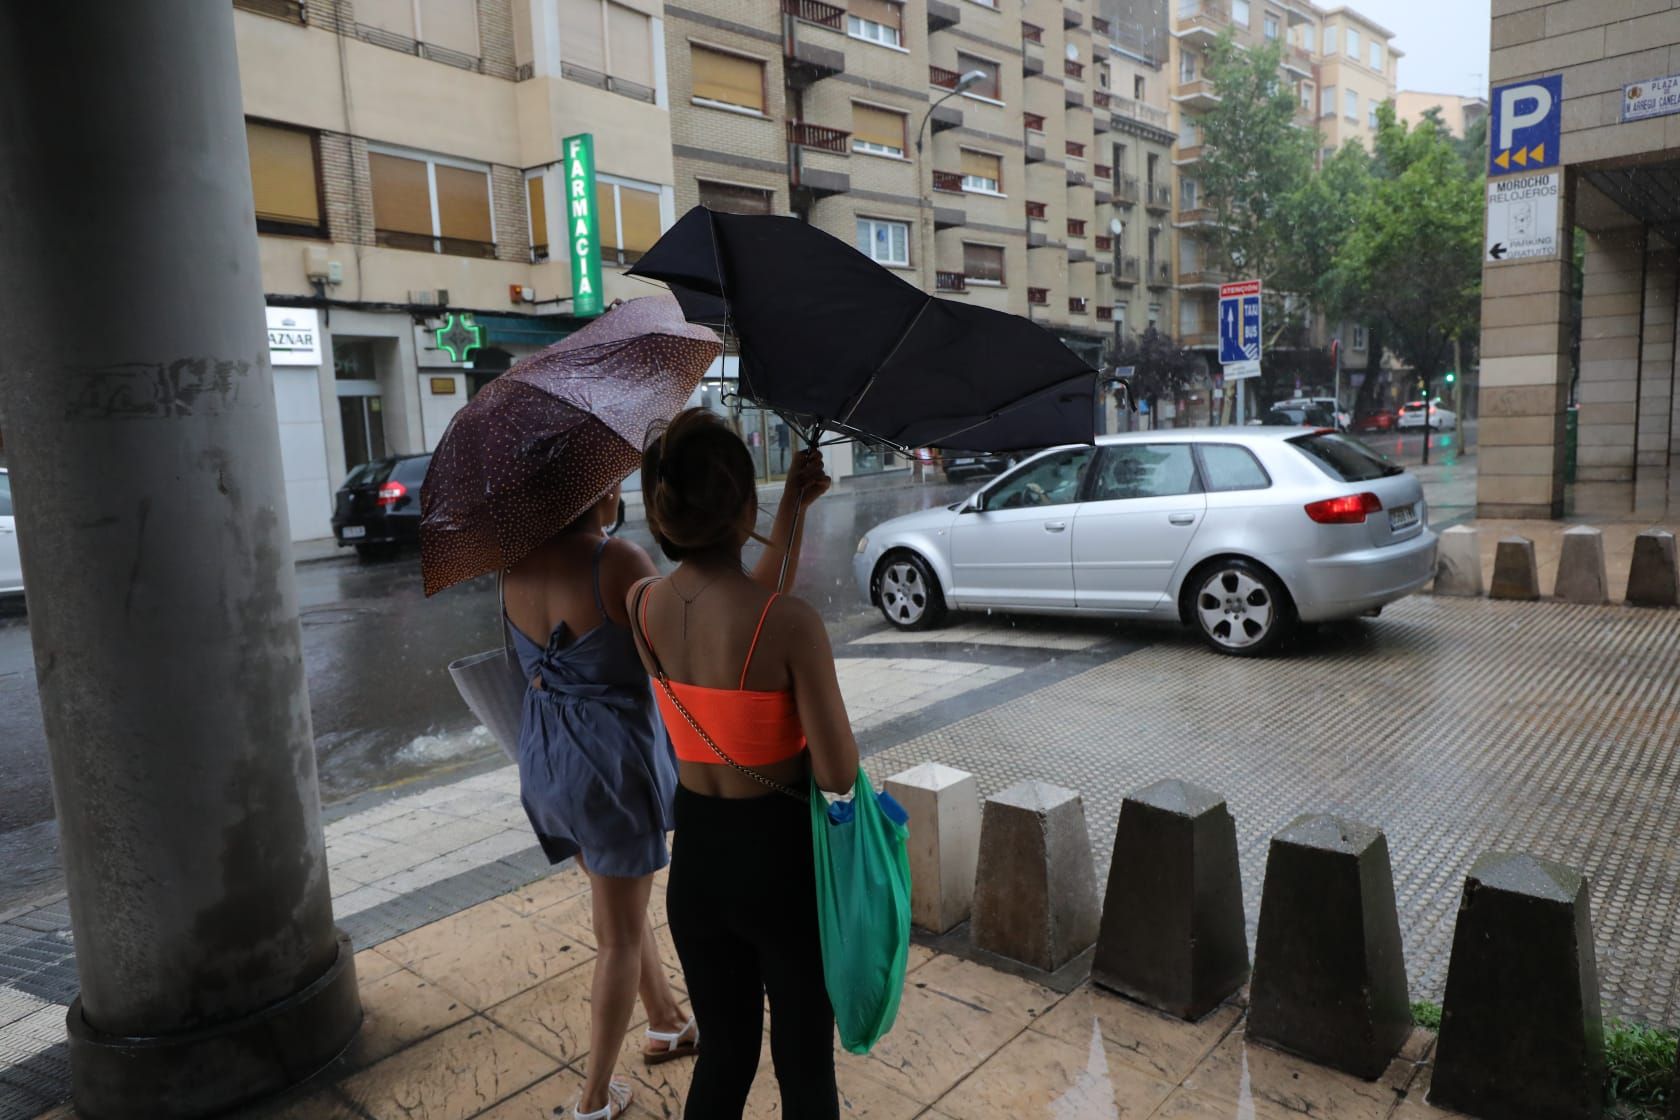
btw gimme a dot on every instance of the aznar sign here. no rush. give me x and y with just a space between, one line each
583 224
1526 122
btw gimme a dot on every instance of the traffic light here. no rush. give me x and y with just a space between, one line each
1451 377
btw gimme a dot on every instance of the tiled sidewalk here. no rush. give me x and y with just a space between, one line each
486 1014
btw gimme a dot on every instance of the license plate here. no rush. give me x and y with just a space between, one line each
352 532
1403 517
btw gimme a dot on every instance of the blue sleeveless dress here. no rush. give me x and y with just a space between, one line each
596 772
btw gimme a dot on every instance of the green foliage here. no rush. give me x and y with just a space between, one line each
1318 217
1161 368
1411 263
1640 1061
1427 1015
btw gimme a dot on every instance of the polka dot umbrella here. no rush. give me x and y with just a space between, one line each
540 444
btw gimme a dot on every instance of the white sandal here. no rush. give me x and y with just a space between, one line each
673 1041
618 1103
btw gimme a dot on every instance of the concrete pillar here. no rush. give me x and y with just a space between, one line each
1581 576
1515 572
145 462
1521 1033
1329 976
1172 918
1656 358
1524 384
1613 298
1035 893
1458 562
1653 576
944 808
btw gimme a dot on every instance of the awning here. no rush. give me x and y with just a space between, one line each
526 330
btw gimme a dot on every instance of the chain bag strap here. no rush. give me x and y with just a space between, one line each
688 717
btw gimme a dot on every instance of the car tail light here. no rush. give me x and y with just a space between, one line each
1349 509
391 493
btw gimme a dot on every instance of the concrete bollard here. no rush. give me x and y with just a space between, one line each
1515 575
944 808
1329 976
1035 894
1653 578
1172 918
1458 562
1521 1034
1581 575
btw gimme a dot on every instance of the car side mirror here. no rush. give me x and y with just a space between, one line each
976 503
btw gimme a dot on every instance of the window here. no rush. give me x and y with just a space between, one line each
876 21
1187 132
440 23
1353 43
608 46
1329 40
728 79
1344 459
1309 37
1307 96
1053 480
1144 470
1327 102
1187 66
982 171
1189 318
536 204
1351 97
5 496
1187 191
629 216
884 242
285 179
1358 337
1239 12
990 86
1271 25
1225 466
880 131
1137 88
1376 55
1371 117
432 205
982 264
1154 314
289 10
727 198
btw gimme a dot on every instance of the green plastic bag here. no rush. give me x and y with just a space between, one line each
863 908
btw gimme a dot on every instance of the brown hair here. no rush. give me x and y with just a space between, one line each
697 476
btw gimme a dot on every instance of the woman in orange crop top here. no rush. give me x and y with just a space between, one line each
745 681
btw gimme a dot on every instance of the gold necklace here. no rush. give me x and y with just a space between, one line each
688 600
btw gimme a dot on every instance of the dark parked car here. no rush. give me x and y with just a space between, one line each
977 464
378 507
1303 416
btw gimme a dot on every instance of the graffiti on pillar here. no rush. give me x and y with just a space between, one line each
155 390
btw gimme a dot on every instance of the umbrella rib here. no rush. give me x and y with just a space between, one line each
1011 407
884 362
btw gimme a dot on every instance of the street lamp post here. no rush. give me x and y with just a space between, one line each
926 173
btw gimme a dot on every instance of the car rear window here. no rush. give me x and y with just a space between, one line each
1344 459
1225 466
412 470
370 474
5 496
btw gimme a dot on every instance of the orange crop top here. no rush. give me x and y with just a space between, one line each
754 728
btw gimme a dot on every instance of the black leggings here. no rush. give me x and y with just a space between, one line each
743 908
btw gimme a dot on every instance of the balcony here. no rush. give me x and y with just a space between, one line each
1186 154
944 281
806 63
1126 190
944 117
1073 98
1074 70
1035 211
1125 271
1105 313
1157 196
1079 305
1100 123
949 217
1035 152
948 182
1071 19
1100 99
1200 277
1101 193
1197 93
1076 227
1102 27
817 12
1075 149
1138 111
1031 32
1298 61
943 14
1102 171
941 78
816 162
1201 21
1077 178
1038 297
1194 215
1033 121
1037 239
1103 243
1104 267
1158 274
1202 336
1032 65
1077 255
819 138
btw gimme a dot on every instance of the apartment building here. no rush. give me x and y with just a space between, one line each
1143 240
408 184
1458 113
1356 65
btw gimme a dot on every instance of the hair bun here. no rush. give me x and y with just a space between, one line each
702 480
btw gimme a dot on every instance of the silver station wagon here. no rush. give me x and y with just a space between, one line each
1243 533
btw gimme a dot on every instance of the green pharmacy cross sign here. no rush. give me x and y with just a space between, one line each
459 337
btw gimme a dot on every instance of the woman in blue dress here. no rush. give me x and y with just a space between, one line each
597 775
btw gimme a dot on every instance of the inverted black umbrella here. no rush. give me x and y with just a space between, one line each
836 342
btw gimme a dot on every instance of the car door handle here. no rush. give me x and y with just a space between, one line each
1055 526
1182 518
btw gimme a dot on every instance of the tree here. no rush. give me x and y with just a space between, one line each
1160 366
1412 263
1318 216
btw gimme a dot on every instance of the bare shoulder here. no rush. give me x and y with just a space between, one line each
799 616
626 561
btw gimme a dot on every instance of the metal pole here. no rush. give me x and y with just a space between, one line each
152 521
1428 407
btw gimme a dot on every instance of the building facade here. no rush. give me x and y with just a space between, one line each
1608 167
1459 114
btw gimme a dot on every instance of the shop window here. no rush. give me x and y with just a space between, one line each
878 131
285 179
629 216
982 264
728 198
730 80
430 204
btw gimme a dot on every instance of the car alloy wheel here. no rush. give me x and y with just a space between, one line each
904 593
1237 611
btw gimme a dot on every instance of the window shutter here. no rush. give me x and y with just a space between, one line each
396 16
606 213
450 24
982 165
283 174
884 12
878 126
464 204
728 78
639 212
402 202
581 42
983 262
630 34
539 213
988 86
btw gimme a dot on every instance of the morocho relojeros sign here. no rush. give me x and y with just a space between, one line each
583 224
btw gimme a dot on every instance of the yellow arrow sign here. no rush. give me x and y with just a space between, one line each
1520 157
1537 153
1503 159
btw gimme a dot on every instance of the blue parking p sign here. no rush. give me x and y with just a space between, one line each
1527 119
1239 328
